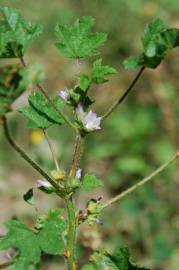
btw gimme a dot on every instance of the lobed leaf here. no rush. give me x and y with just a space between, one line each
24 240
91 182
31 244
118 261
157 41
78 41
52 234
100 73
16 34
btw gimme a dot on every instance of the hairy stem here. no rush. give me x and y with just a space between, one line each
51 149
42 90
77 154
125 94
140 183
25 156
71 235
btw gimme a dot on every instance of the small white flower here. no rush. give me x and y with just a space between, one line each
78 173
80 111
43 183
89 120
64 95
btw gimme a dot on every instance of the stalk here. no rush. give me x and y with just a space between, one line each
125 94
21 152
140 183
71 235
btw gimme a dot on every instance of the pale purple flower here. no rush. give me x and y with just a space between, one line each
64 95
78 173
89 119
43 183
80 111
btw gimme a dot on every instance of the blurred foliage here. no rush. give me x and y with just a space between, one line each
137 138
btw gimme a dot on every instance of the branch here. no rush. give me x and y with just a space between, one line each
42 90
126 93
25 156
51 149
140 183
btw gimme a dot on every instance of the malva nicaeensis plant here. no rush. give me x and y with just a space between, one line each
55 233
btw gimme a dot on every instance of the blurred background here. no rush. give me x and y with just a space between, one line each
138 137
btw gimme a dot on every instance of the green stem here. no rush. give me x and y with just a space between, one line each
25 156
42 90
51 149
140 183
71 235
126 93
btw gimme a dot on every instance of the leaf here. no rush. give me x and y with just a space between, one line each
31 76
151 33
132 62
36 120
118 261
40 112
84 82
16 34
22 238
10 90
28 196
90 182
42 105
52 234
78 41
31 244
100 73
157 41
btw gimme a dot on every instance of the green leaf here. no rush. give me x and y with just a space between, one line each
78 41
36 120
28 196
132 62
31 76
40 112
31 244
16 34
10 90
100 73
90 182
51 237
118 261
151 33
22 238
84 82
42 105
157 41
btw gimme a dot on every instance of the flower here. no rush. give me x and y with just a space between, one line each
89 120
43 183
36 136
78 173
64 95
80 111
